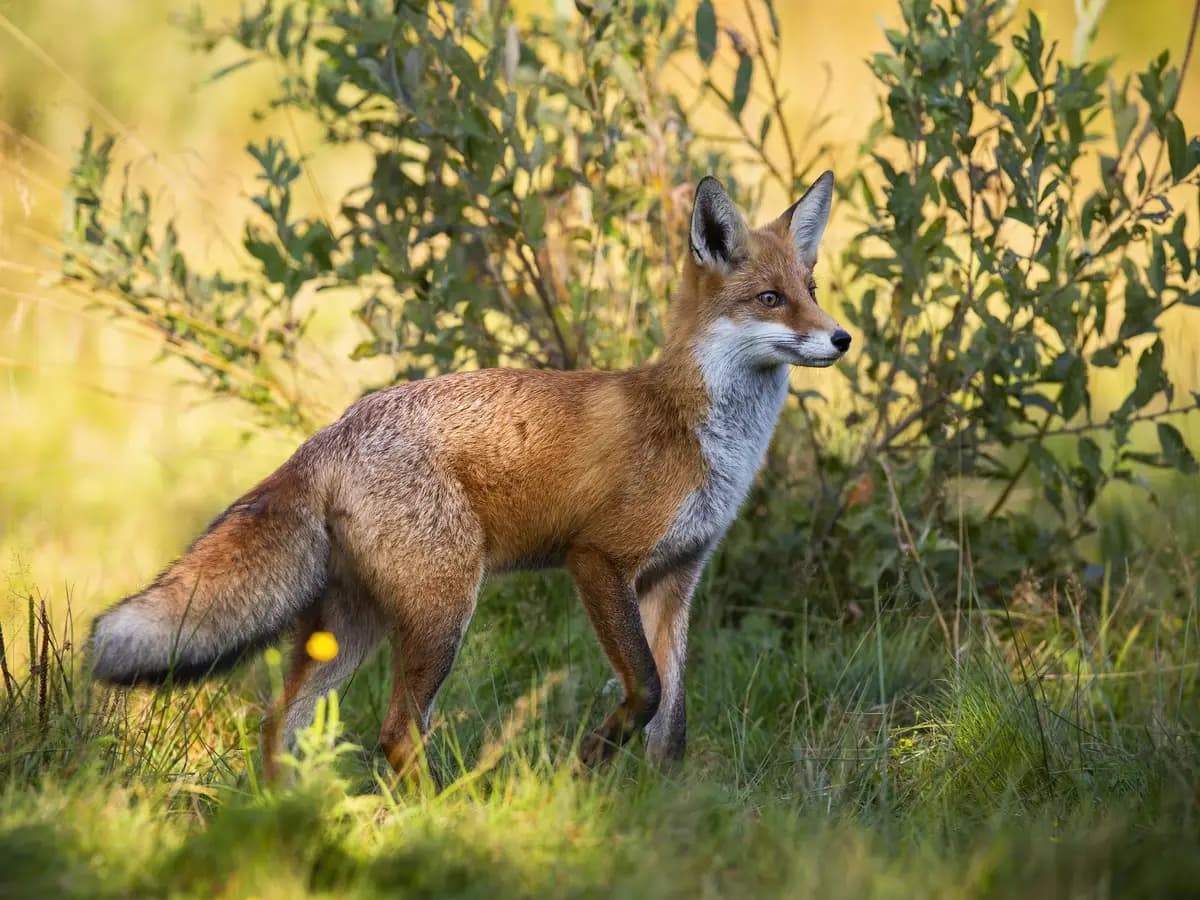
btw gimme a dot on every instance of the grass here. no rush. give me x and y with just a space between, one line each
827 759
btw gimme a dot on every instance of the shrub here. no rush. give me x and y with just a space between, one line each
1026 223
525 200
1023 226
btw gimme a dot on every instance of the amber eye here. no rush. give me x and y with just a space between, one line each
771 299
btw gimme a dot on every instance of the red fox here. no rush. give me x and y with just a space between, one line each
386 522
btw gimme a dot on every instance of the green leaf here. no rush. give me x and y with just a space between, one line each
1041 401
1146 459
741 85
1156 274
230 69
626 77
774 18
1074 390
1175 451
273 264
364 350
1177 149
1126 120
533 217
1150 378
706 31
1179 243
283 32
1089 457
1141 305
765 128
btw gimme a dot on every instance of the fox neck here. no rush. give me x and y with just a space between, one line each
733 426
745 398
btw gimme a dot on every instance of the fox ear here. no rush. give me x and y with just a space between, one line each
807 217
718 234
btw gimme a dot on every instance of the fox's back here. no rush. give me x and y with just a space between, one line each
546 459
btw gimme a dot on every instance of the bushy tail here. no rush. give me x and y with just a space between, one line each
237 588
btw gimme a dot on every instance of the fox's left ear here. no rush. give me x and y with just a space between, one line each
807 217
718 234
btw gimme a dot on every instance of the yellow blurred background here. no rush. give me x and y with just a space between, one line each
110 461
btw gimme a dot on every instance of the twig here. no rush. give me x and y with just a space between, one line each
1016 476
1073 429
531 270
8 679
43 669
776 99
911 544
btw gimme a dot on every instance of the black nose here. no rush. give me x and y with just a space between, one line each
841 340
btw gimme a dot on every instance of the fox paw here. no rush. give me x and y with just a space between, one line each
595 749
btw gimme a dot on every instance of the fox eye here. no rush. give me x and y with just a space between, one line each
771 299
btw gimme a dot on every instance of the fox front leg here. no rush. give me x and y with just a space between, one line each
611 602
665 601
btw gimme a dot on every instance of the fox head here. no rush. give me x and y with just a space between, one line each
749 295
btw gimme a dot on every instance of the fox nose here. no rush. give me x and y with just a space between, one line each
841 340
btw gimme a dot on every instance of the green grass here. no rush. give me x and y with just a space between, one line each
827 759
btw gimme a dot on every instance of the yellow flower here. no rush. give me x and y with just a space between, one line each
321 646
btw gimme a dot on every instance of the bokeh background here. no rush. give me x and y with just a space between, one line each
110 460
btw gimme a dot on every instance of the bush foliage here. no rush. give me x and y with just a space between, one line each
1022 232
1025 222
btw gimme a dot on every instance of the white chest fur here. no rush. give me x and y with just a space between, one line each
745 402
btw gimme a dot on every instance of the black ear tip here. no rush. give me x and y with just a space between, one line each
709 186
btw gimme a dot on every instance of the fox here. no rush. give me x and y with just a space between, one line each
386 522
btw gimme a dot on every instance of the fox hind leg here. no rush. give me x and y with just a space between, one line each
425 642
350 615
419 552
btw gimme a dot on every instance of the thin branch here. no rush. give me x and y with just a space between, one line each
911 545
1060 432
773 86
531 269
1021 469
